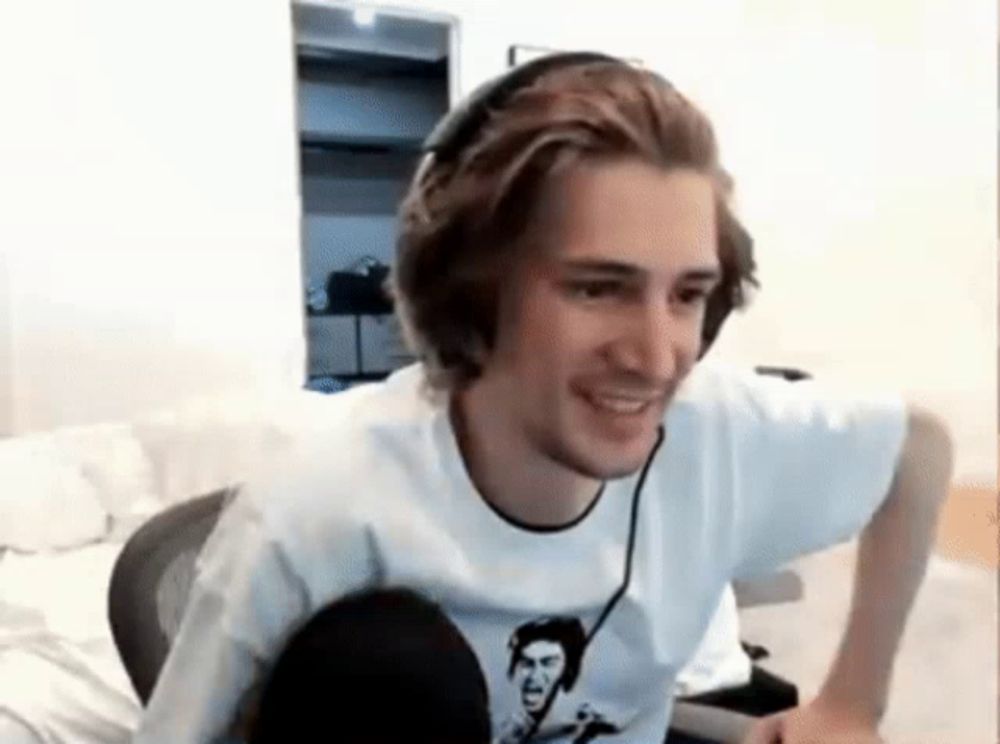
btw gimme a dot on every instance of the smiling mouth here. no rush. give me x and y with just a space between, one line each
620 405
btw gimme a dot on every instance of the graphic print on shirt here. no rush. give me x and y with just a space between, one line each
545 660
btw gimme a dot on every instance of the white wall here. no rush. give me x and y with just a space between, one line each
152 162
868 164
6 352
149 155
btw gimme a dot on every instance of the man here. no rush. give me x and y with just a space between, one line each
545 654
545 658
558 452
538 668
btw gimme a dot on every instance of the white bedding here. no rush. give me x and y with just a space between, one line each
61 681
68 499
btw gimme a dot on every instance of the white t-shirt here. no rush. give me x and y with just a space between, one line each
752 471
719 662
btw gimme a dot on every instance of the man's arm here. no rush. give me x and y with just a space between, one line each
892 557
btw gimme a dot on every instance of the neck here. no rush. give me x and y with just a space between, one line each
511 474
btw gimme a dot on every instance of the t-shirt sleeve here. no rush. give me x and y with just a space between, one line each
811 464
249 595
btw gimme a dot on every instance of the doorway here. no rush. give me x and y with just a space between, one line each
370 86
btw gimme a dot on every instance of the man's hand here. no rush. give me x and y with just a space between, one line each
817 722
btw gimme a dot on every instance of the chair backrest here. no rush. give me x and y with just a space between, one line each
150 583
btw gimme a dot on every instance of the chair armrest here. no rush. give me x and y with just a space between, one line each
783 586
708 722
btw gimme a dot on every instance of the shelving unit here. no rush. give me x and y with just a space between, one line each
365 105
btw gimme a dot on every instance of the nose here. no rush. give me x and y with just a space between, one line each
650 343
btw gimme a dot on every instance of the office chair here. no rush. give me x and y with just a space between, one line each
150 582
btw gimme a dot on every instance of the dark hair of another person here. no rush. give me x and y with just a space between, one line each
384 667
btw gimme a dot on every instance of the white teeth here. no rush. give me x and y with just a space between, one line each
620 405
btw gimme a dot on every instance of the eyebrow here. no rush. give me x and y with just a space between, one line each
624 270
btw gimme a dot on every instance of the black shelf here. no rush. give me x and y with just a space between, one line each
358 144
317 62
346 314
355 376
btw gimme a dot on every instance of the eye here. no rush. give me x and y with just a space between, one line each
693 296
593 289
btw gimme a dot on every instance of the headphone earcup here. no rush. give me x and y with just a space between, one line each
735 241
716 312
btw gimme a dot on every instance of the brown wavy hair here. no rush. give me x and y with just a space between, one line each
463 220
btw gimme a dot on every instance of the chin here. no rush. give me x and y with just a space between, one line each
604 461
612 470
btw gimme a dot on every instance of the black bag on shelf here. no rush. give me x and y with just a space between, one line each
358 294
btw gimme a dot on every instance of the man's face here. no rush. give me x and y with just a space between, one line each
540 666
602 319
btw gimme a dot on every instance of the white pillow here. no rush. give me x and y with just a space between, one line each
113 460
46 503
193 458
213 442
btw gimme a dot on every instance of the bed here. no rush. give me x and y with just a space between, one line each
69 499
